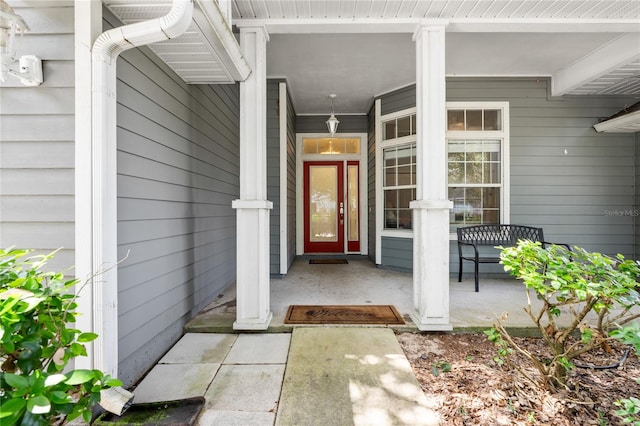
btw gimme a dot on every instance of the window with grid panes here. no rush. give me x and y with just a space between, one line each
399 171
475 144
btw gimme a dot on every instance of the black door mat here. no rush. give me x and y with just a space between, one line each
328 261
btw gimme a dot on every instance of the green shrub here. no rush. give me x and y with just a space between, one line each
571 284
37 342
629 410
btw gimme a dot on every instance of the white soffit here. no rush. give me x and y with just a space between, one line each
436 9
206 53
485 38
520 38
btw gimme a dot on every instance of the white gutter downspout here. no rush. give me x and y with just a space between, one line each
105 51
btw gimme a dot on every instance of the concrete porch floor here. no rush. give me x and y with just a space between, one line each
318 375
360 282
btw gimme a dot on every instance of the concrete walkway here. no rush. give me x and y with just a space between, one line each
332 376
350 376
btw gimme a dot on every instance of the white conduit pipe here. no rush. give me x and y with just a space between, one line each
105 51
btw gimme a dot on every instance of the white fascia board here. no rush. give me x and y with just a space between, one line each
331 26
628 123
477 25
214 27
408 25
621 51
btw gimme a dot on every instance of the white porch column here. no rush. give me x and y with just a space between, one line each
252 209
431 207
87 28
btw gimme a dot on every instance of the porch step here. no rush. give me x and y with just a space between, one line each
350 376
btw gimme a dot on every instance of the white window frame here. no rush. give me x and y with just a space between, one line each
502 136
380 146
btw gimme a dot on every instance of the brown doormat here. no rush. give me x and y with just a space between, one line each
343 314
328 261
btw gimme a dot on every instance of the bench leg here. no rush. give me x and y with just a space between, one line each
477 277
460 271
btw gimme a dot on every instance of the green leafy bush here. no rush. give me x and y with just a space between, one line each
37 342
629 410
596 292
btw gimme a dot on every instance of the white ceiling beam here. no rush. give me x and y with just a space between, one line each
629 123
470 25
619 52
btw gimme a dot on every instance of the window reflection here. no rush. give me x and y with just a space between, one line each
323 190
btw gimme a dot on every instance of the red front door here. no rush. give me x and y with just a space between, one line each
324 207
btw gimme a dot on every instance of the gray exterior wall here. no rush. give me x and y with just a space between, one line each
37 141
576 197
398 100
317 123
371 181
397 253
178 172
291 181
274 173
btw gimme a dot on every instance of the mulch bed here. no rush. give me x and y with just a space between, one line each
477 391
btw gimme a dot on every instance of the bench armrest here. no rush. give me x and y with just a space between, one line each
463 243
547 243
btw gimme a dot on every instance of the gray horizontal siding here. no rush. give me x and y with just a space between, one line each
397 253
178 172
494 270
579 198
398 100
291 181
371 181
570 194
273 176
37 140
273 173
317 123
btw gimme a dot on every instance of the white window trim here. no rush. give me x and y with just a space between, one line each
502 135
380 146
284 207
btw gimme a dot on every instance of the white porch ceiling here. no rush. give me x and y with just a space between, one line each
362 48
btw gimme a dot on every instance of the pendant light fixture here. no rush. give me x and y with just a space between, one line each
332 122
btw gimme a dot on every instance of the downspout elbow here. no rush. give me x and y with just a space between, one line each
115 41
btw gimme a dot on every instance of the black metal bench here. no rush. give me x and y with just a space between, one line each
493 235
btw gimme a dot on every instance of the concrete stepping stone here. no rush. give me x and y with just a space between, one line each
260 349
194 348
168 382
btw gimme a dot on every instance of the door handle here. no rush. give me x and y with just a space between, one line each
341 213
